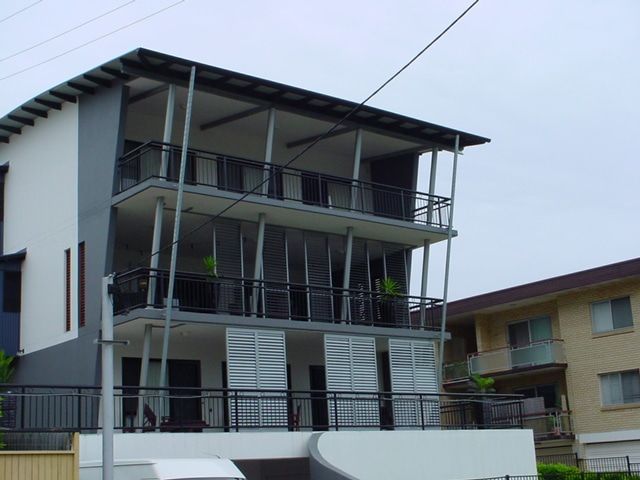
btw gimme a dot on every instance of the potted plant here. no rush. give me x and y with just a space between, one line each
389 293
213 286
481 409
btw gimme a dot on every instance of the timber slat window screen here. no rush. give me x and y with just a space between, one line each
276 270
228 255
351 367
257 360
82 285
413 371
360 304
318 261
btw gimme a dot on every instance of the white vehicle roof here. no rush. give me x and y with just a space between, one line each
179 468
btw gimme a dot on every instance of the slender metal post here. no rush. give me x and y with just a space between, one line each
155 252
357 153
168 129
176 231
443 323
144 371
107 379
426 252
348 252
268 150
257 266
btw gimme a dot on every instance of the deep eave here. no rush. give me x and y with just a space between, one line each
151 64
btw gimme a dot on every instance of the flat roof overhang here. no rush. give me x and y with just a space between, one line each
263 93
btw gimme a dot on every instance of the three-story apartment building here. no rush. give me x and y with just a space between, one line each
570 345
291 308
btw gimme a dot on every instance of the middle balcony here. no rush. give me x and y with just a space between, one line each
260 299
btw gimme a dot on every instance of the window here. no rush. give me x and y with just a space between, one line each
548 392
67 290
620 387
529 331
611 315
82 313
11 292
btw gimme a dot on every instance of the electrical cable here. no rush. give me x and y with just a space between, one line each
135 22
15 54
20 11
279 168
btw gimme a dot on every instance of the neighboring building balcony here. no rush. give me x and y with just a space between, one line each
552 424
199 293
296 187
76 408
536 355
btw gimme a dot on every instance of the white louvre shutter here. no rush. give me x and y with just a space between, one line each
256 360
351 366
413 372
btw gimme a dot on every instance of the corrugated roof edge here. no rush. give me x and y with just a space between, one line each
583 278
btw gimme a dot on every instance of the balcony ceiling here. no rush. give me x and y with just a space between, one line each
142 63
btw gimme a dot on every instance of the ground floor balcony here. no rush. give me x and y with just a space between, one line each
243 297
545 354
30 408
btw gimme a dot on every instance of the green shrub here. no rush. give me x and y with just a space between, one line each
558 471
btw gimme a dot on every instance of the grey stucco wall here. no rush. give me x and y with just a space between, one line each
100 143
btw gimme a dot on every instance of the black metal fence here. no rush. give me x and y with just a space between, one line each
598 465
241 175
196 292
66 409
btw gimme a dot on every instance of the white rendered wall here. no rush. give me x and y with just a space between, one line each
442 455
236 446
41 215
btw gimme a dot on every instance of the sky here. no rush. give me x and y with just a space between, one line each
555 85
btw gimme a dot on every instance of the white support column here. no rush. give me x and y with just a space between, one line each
155 251
357 153
427 243
443 324
106 345
347 274
144 371
168 129
268 150
176 230
257 266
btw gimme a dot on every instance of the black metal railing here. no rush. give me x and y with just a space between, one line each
162 160
195 292
63 409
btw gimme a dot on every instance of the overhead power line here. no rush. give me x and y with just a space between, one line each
61 34
279 168
20 11
135 22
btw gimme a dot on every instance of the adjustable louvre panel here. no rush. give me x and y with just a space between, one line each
228 255
82 285
396 268
319 273
359 279
351 366
413 371
256 360
275 272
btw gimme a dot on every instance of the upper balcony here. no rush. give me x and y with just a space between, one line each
292 186
508 360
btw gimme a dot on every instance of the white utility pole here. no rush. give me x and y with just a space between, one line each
176 231
106 343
